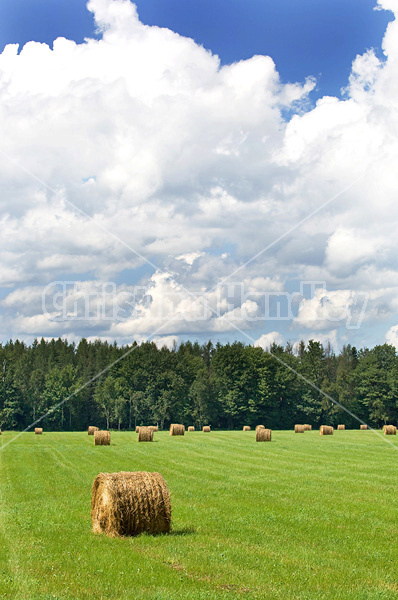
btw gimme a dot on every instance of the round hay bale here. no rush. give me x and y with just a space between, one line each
38 430
0 432
340 427
363 427
390 430
246 428
299 429
206 429
137 428
145 434
176 429
260 427
191 428
102 438
263 435
326 430
153 427
130 503
307 427
92 429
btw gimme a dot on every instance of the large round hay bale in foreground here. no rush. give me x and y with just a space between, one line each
206 429
92 429
191 428
363 427
130 503
307 427
145 434
246 428
153 427
38 430
176 429
263 435
102 438
340 427
260 427
326 430
390 430
299 429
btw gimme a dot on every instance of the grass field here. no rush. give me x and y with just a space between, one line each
304 517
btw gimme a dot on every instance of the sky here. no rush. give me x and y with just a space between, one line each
211 170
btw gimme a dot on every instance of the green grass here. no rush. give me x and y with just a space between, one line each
303 517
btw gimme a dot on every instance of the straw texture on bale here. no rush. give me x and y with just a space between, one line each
307 427
38 430
299 429
130 503
263 435
246 428
260 427
206 429
176 429
145 434
92 429
102 438
326 430
191 428
363 427
390 430
340 427
153 427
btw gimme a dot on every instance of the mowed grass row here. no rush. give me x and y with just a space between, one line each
304 517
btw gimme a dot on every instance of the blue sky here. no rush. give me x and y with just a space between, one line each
304 37
142 159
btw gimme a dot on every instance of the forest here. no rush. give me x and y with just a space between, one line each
226 386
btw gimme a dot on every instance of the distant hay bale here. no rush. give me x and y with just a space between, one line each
153 427
307 427
191 428
137 428
340 427
102 438
0 432
38 430
92 429
326 430
176 429
246 428
130 503
363 427
263 435
206 429
145 434
390 430
299 429
260 427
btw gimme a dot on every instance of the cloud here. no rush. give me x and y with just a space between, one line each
140 153
266 340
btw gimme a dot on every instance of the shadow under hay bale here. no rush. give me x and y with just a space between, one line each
340 427
38 430
176 429
326 430
102 438
145 434
130 503
299 429
246 428
390 430
92 429
263 435
191 428
307 427
206 429
363 427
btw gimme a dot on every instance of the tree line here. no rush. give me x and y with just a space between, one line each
227 386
